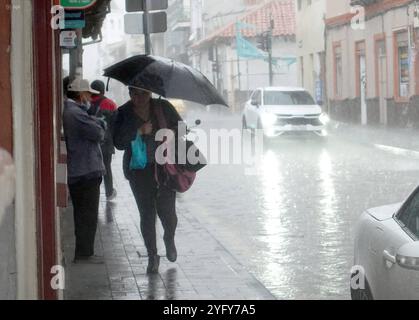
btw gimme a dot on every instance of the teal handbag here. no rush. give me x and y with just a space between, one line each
139 154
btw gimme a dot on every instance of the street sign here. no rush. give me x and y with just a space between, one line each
157 22
68 39
152 5
74 19
77 4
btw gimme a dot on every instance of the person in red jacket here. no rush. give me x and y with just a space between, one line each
104 107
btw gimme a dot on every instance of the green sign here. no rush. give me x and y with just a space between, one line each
77 4
74 19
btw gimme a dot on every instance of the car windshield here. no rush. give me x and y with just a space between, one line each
285 98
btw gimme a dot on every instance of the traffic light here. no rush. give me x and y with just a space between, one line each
261 42
264 41
211 54
215 67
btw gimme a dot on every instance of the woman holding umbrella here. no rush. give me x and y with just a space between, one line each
136 117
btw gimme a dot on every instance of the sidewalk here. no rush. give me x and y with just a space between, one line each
395 140
205 270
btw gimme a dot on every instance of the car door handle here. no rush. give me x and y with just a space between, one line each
388 257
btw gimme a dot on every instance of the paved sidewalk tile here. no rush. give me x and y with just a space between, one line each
205 270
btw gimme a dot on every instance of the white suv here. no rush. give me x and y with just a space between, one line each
279 110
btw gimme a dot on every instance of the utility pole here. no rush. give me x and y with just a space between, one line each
217 70
238 72
269 47
145 28
76 58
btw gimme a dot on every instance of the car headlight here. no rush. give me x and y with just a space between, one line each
324 118
268 119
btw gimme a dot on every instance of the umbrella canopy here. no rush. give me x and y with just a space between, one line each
165 77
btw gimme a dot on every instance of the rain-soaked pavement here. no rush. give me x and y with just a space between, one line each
287 227
292 222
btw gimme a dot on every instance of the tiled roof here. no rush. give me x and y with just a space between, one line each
282 12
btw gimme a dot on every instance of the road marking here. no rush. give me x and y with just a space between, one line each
398 151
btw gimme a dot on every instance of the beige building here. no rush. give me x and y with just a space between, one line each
372 60
311 46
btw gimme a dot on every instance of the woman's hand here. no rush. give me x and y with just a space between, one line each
146 129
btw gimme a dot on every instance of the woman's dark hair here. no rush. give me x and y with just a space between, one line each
73 95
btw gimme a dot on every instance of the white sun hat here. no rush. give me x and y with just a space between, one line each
81 85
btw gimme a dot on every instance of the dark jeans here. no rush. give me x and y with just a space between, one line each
107 160
85 198
151 200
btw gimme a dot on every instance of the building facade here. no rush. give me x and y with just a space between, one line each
33 169
216 55
30 82
178 30
310 38
372 59
219 13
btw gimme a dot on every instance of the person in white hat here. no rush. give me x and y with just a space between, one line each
83 134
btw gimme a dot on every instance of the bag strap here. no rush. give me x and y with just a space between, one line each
161 119
96 106
162 124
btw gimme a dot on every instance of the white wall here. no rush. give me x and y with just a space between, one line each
310 27
310 39
337 7
23 124
218 13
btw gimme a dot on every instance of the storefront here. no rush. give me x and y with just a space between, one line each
373 70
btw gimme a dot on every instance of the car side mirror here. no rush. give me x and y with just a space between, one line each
255 102
408 256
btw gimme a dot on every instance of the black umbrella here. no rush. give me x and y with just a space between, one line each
165 77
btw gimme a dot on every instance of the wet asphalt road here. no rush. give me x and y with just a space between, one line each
291 223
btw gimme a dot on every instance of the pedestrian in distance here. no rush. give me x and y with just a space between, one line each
66 82
103 107
137 117
83 135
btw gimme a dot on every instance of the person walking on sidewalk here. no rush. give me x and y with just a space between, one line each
137 116
83 134
102 106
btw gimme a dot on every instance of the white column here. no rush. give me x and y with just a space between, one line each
24 151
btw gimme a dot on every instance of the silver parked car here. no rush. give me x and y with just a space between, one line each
387 252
